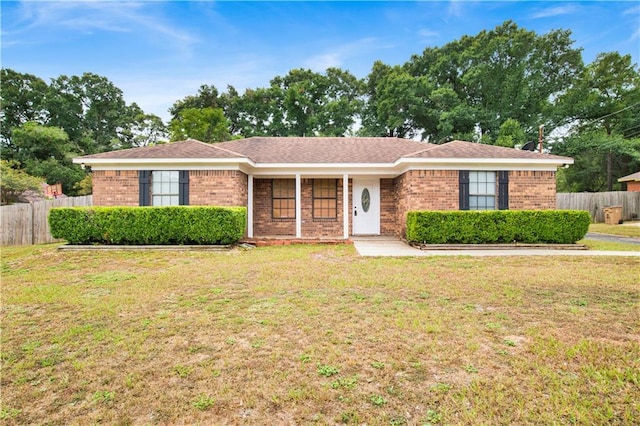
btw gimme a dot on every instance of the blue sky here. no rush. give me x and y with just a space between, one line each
160 51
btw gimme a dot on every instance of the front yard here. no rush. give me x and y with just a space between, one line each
317 335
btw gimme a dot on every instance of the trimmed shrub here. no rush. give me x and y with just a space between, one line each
497 226
174 225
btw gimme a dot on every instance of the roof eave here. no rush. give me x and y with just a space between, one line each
166 163
534 162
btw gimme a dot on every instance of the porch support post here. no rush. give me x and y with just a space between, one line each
298 207
346 211
250 206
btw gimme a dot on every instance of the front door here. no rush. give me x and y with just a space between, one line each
366 206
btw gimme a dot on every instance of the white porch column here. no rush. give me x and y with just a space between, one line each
346 211
298 207
250 206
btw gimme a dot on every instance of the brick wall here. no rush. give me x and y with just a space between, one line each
206 188
413 190
263 223
633 186
320 227
115 188
217 188
532 190
424 190
388 207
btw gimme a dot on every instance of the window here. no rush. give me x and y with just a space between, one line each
479 191
164 188
325 199
283 194
482 190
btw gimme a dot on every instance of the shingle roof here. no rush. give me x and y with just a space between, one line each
462 149
632 177
321 150
185 149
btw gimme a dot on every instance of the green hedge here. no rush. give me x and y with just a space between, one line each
497 226
149 225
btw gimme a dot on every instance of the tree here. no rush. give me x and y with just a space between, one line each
594 154
403 104
504 73
85 186
14 182
46 152
207 97
300 103
33 141
205 125
603 104
90 109
510 134
21 100
141 129
306 103
258 112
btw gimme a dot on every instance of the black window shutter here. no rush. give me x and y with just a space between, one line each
144 178
464 189
183 181
503 190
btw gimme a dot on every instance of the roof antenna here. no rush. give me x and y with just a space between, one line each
541 136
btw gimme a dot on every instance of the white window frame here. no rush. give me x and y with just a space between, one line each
483 190
165 188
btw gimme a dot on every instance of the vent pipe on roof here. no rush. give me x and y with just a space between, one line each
541 136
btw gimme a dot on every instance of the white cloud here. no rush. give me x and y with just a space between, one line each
93 16
320 63
632 11
555 11
428 35
336 56
455 8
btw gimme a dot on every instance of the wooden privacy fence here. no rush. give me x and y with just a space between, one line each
24 224
595 202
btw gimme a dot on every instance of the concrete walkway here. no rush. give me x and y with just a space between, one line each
612 238
386 246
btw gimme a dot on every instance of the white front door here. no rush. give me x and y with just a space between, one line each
366 206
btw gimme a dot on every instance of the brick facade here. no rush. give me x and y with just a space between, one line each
388 207
206 188
263 222
115 188
532 190
265 225
413 190
217 188
439 190
633 186
424 190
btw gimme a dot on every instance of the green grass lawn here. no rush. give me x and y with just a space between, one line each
623 230
317 335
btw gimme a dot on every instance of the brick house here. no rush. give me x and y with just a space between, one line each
633 182
316 187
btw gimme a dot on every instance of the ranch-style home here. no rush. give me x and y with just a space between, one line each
326 187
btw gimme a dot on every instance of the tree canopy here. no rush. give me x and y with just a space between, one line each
602 111
44 125
15 181
498 87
